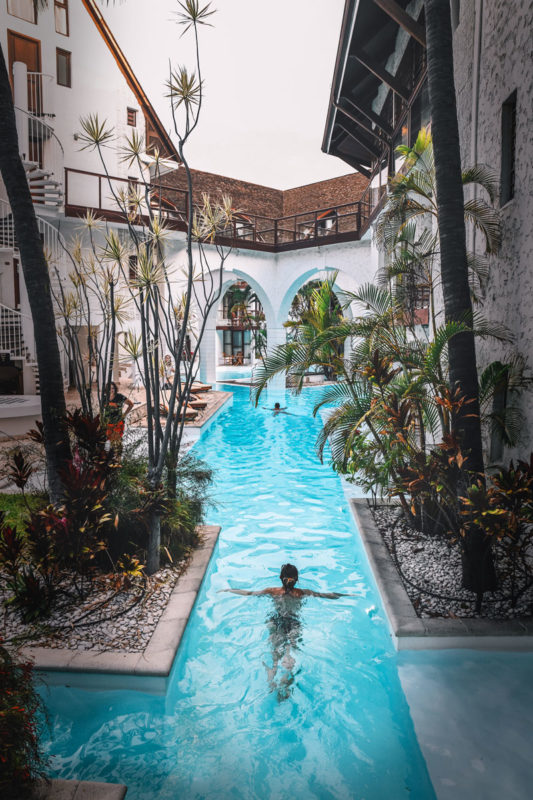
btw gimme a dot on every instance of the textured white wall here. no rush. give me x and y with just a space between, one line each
506 64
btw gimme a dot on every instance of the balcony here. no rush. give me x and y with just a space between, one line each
107 197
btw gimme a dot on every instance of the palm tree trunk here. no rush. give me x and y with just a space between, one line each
478 568
35 270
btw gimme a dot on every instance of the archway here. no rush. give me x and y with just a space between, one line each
235 328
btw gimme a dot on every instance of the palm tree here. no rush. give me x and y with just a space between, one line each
37 280
36 277
478 567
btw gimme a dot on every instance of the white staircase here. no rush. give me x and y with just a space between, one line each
45 188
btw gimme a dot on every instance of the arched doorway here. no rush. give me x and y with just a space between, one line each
240 332
314 308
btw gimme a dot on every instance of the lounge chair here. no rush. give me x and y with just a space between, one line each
196 388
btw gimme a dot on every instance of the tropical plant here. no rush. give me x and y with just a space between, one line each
478 569
315 340
504 512
21 713
164 317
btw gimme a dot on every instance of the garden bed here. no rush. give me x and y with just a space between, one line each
430 570
104 620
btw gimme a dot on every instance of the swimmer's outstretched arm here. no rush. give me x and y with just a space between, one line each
327 595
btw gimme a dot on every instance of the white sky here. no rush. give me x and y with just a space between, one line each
267 68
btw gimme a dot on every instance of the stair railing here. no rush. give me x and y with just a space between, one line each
16 334
7 229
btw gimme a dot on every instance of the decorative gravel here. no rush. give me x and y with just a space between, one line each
123 621
430 569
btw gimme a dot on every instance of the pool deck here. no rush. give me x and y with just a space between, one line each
156 660
411 632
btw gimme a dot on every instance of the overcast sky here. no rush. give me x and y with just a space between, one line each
267 67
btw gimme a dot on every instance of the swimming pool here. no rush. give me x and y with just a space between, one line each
332 721
233 373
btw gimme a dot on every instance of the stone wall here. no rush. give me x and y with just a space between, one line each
506 64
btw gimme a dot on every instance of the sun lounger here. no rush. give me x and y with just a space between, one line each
198 405
200 387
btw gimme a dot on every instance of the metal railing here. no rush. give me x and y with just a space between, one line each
111 197
40 94
7 228
14 337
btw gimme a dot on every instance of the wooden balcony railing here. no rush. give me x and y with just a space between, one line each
106 196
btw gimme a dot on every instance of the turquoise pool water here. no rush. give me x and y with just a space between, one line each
331 721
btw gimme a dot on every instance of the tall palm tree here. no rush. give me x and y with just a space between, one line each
37 280
36 277
478 568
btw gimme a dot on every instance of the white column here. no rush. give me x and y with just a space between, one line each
20 92
208 355
275 337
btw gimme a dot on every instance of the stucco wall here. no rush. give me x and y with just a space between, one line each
506 64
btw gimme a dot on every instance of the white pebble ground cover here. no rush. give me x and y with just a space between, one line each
104 620
430 569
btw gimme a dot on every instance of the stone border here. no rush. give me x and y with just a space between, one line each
156 660
57 789
409 631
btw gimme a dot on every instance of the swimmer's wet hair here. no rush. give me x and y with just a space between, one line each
288 571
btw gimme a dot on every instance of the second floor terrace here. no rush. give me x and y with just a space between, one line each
112 198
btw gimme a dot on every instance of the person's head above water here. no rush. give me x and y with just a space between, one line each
288 576
277 405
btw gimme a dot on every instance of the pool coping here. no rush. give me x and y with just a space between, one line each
157 658
411 632
59 789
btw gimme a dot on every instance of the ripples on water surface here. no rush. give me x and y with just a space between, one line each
331 721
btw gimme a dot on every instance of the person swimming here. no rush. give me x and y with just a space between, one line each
278 409
288 577
285 627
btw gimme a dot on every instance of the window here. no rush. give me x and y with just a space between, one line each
132 117
23 9
64 77
61 15
507 178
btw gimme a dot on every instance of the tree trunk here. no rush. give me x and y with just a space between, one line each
478 568
154 542
36 277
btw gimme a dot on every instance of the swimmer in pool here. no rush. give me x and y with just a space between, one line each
288 577
285 627
278 409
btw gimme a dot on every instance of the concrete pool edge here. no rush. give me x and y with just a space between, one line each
157 658
409 631
58 789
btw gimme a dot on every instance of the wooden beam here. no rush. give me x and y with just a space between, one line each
377 119
383 74
363 124
374 152
353 163
404 20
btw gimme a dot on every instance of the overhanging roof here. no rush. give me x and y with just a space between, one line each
354 130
